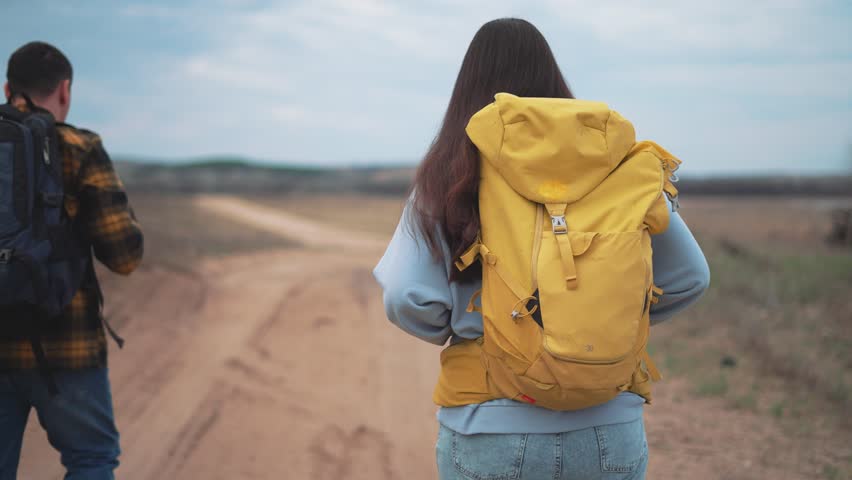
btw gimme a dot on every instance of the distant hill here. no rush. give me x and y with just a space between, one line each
235 175
240 176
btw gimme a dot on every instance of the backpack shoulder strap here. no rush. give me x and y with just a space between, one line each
470 255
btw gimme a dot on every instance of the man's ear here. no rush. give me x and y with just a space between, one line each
64 92
7 91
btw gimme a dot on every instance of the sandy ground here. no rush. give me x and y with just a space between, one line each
282 366
237 371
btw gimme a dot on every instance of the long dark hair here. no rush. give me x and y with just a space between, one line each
506 55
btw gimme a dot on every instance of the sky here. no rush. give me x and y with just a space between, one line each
731 87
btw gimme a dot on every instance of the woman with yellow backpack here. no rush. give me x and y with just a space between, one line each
527 243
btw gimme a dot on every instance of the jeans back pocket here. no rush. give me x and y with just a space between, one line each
488 456
623 446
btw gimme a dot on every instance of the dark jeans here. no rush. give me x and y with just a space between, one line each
78 421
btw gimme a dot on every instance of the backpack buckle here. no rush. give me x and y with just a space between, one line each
560 227
6 255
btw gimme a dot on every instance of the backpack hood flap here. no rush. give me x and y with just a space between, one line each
551 150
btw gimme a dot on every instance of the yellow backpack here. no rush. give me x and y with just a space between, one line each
567 201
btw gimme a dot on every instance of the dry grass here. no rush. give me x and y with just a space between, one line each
775 222
773 335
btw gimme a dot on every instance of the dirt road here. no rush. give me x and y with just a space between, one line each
282 365
303 230
267 366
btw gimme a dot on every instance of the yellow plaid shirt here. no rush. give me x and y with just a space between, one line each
96 201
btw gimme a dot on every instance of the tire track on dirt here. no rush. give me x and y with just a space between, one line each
248 373
223 325
364 453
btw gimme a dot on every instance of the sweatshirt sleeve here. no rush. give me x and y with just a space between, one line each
680 269
416 287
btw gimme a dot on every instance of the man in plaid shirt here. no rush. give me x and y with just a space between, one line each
79 420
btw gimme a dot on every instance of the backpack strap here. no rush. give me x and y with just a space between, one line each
656 292
649 364
36 329
40 320
90 275
471 305
479 251
560 232
470 255
669 188
670 166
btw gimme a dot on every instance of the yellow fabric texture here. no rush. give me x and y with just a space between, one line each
568 200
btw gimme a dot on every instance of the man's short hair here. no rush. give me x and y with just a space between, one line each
36 69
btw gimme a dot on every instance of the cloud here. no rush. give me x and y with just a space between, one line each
153 11
828 80
375 26
329 66
337 81
777 27
234 75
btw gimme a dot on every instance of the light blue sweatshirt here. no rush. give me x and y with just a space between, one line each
420 299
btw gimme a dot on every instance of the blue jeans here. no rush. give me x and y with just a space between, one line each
78 421
617 451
